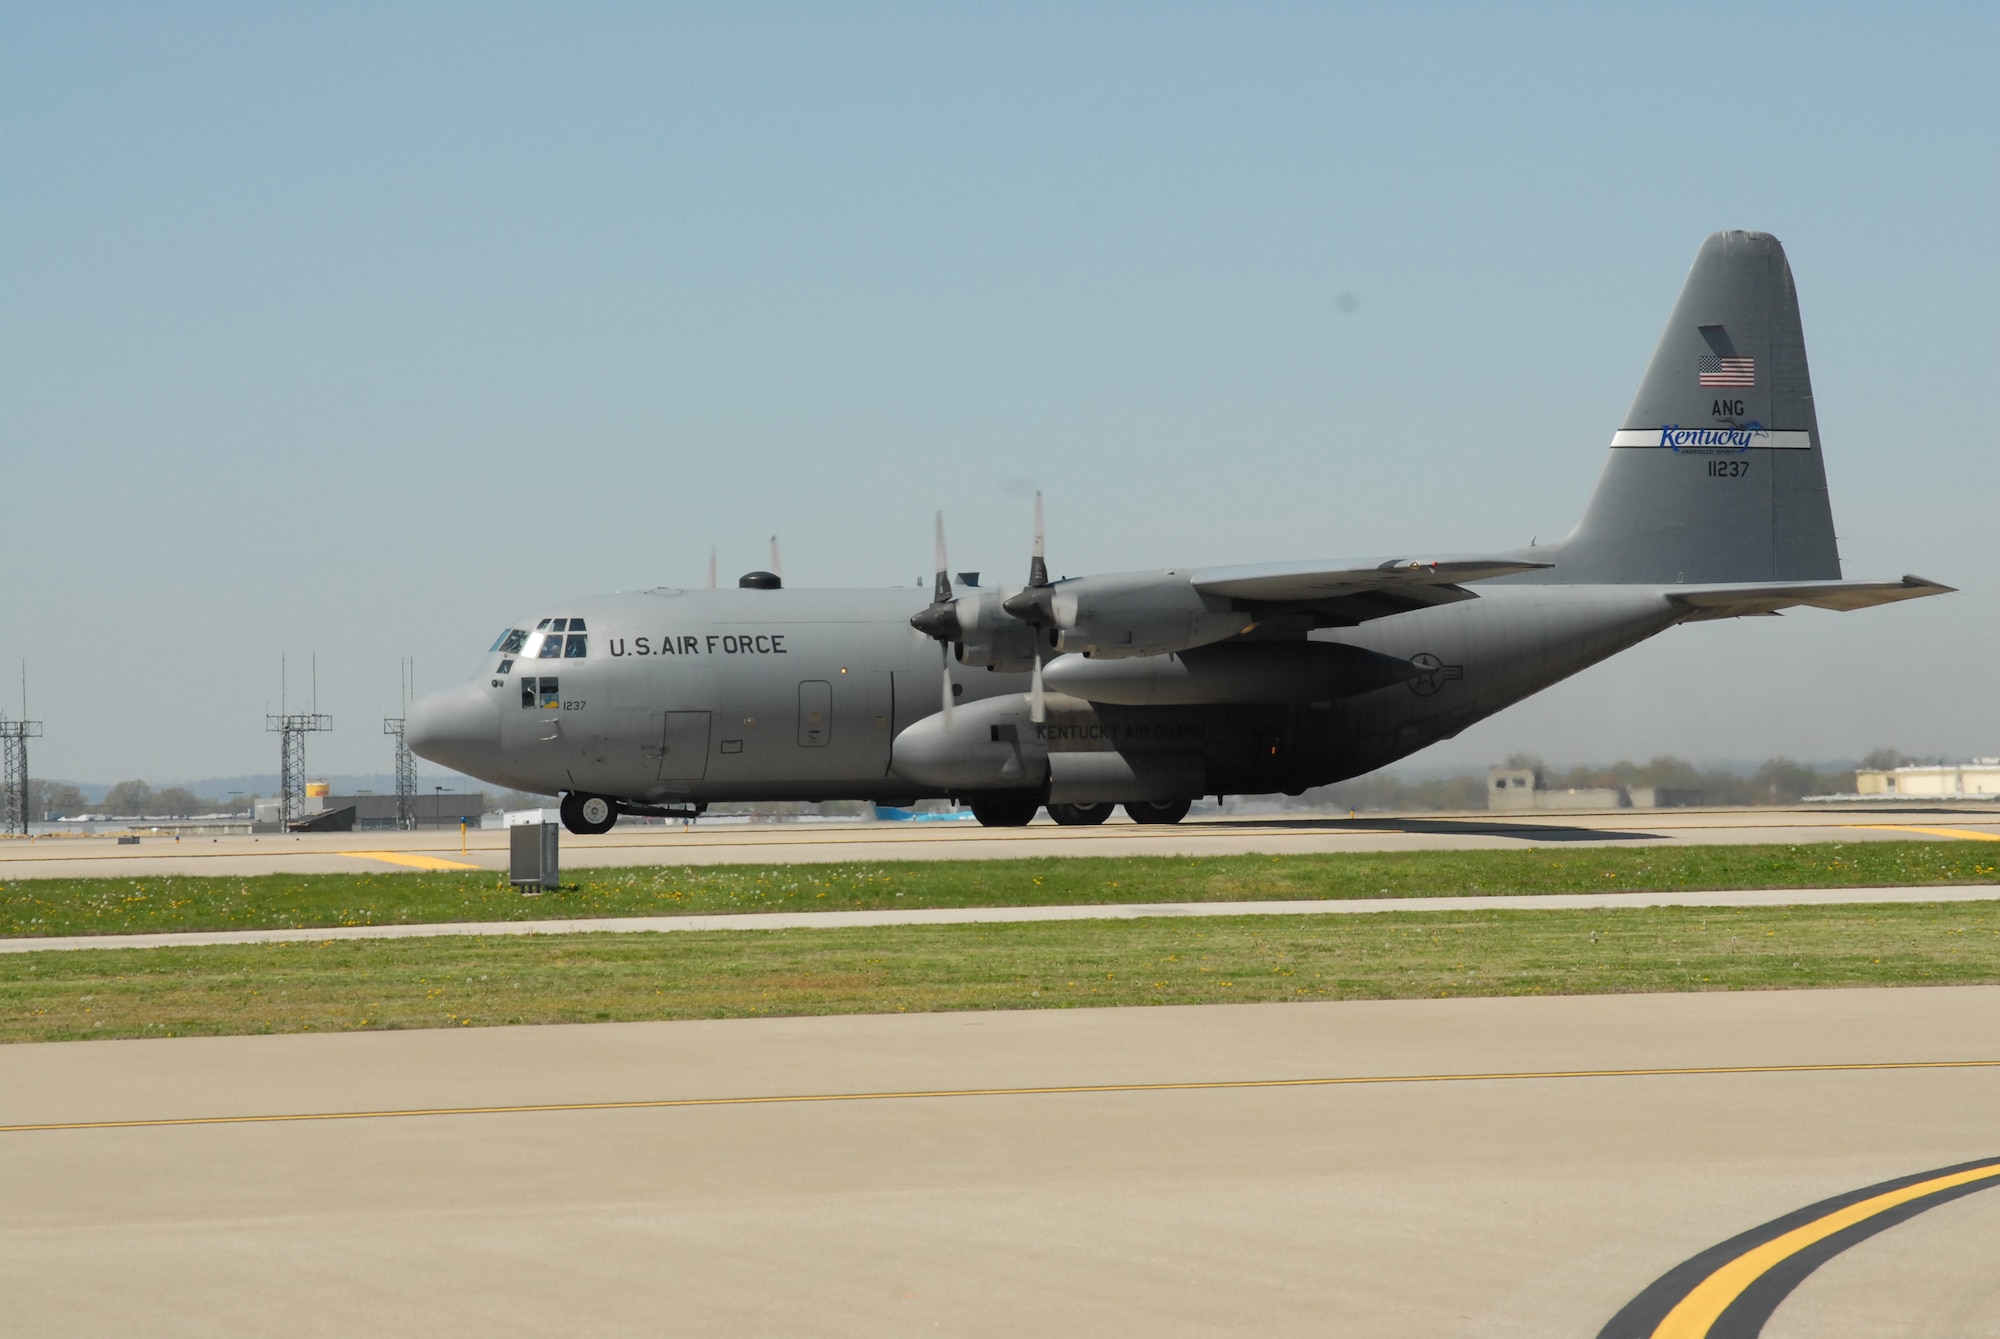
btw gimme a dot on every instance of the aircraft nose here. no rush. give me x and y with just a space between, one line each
458 728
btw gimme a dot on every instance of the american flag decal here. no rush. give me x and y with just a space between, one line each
1728 371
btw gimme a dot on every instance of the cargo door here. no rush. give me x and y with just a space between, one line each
684 746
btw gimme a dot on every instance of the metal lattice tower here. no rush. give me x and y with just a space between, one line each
406 774
292 729
14 737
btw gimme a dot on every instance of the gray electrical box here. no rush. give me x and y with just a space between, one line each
531 851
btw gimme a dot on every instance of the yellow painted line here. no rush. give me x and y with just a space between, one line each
1967 833
1079 1089
1696 1313
406 858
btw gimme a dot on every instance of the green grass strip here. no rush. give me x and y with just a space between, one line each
478 981
159 903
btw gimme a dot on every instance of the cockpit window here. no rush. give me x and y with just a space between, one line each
509 642
543 624
575 648
552 646
576 625
559 625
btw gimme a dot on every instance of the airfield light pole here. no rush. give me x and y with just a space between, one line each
292 729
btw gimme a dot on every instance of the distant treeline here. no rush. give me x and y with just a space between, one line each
127 799
1776 781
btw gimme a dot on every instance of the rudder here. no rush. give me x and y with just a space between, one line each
1716 474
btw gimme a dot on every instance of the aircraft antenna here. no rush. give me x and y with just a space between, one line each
711 567
777 563
292 728
14 737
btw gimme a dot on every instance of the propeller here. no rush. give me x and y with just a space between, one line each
939 618
1035 606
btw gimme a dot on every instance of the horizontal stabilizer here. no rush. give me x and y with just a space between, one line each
1748 601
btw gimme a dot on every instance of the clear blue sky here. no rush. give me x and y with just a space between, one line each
365 328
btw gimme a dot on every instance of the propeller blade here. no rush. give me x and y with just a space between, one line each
1035 710
944 660
940 618
1038 567
941 587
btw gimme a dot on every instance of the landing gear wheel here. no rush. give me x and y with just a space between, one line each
1079 815
1005 811
588 815
1169 811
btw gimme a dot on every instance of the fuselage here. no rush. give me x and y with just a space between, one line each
689 697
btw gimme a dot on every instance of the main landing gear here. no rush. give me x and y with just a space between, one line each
1005 811
1016 810
588 815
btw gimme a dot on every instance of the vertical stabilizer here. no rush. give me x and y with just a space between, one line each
1715 474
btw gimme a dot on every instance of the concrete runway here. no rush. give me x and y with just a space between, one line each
1478 1206
798 843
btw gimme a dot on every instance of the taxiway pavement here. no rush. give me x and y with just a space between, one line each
797 843
1026 1195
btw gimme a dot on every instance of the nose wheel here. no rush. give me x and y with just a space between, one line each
588 815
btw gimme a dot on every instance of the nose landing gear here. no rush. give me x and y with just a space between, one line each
588 815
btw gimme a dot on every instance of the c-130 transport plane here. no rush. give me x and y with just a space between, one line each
1150 689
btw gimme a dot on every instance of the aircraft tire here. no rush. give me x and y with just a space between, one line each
1079 815
1005 811
1169 811
588 815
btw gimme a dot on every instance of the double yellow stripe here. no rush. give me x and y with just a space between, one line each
1704 1304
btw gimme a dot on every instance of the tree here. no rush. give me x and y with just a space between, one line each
128 798
55 797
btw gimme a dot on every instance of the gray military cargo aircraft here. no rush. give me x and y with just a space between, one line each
1149 689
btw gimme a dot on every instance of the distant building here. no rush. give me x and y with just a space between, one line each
1978 779
376 813
1523 788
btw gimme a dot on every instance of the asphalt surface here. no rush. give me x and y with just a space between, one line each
1070 1172
825 842
835 920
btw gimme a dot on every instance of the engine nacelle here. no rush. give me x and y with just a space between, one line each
1139 614
990 636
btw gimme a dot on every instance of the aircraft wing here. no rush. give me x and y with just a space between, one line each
1745 601
1344 595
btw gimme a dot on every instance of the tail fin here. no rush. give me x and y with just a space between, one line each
1716 473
